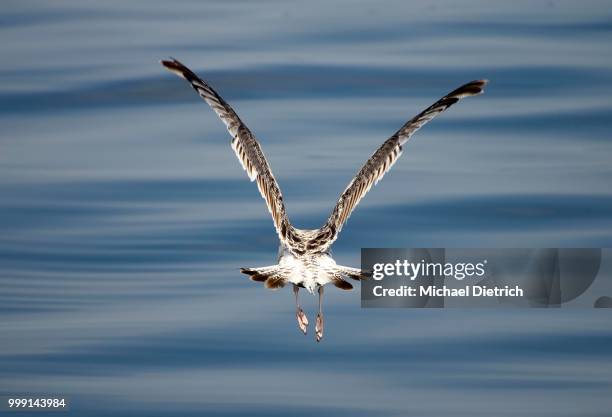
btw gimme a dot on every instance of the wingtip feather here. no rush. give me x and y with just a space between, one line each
473 88
175 66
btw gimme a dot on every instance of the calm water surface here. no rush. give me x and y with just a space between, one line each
124 215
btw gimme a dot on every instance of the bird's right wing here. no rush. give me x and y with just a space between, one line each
380 162
245 146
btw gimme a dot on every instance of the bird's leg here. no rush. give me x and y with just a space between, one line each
319 322
299 313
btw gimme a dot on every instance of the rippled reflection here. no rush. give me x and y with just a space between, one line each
125 218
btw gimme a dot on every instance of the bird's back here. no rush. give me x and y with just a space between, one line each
309 270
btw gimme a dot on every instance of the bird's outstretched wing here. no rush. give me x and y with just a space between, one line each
245 146
380 162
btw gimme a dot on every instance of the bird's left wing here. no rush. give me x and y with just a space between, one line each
380 162
245 146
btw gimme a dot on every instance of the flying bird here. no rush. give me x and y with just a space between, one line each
304 260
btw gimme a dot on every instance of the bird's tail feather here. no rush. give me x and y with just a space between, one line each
273 277
352 273
343 272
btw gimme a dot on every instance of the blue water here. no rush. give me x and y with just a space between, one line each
125 217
